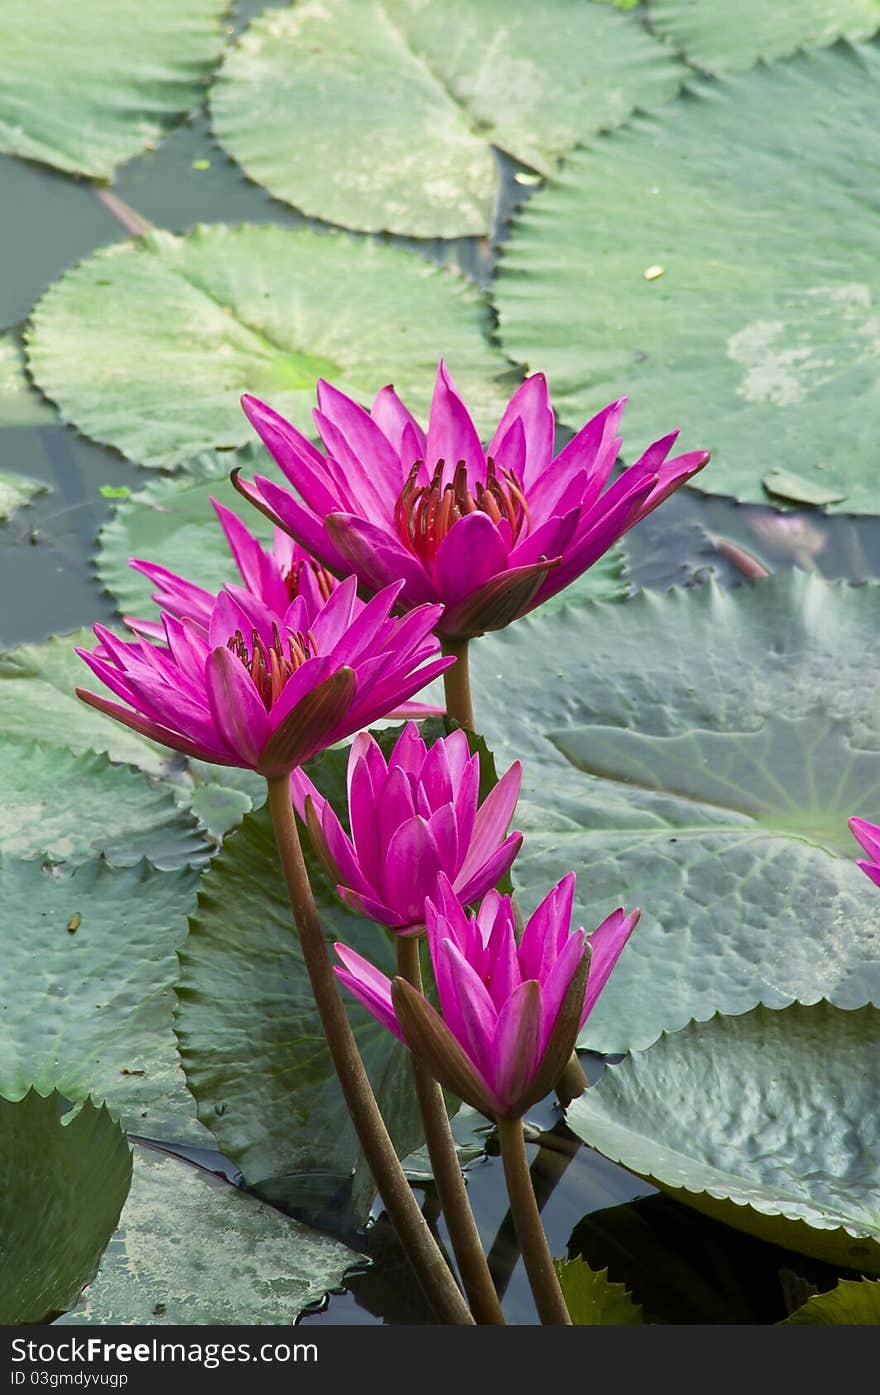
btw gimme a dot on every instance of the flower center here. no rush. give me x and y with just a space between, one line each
270 667
291 578
424 513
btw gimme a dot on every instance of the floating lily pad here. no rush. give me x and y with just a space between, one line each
70 809
86 998
192 1249
777 320
722 37
853 1303
250 1037
16 491
530 80
699 754
147 345
85 89
64 1185
765 1121
592 1300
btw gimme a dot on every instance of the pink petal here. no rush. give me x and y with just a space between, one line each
412 862
377 557
559 979
258 570
303 465
306 526
155 731
606 944
236 706
452 435
530 405
516 1048
398 424
492 821
472 553
867 834
467 1009
364 904
369 986
361 447
545 929
484 876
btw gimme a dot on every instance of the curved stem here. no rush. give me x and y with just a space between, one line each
457 683
529 1230
412 1230
447 1173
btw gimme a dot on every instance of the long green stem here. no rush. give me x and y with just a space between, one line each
447 1173
529 1230
457 683
412 1230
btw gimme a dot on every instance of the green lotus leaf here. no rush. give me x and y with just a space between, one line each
698 754
86 998
529 80
64 1184
192 1249
147 345
853 1303
617 278
736 1119
85 89
70 809
721 37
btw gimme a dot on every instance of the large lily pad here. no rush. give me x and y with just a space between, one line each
777 322
250 1037
192 1249
64 1184
89 963
853 1303
530 80
766 1121
698 754
85 89
722 37
70 809
147 345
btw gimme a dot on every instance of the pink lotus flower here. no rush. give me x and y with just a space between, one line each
868 834
275 578
489 534
410 820
509 1013
246 691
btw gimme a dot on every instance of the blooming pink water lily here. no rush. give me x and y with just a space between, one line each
245 690
412 818
509 1012
489 533
868 834
275 579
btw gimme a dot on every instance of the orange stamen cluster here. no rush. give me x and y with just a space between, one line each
322 576
424 513
270 667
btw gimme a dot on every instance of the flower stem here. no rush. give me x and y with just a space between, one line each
457 683
529 1230
410 1225
447 1173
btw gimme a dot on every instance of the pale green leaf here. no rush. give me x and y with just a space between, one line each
765 1120
739 190
721 37
402 101
148 345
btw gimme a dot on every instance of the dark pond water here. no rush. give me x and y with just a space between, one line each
686 1269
